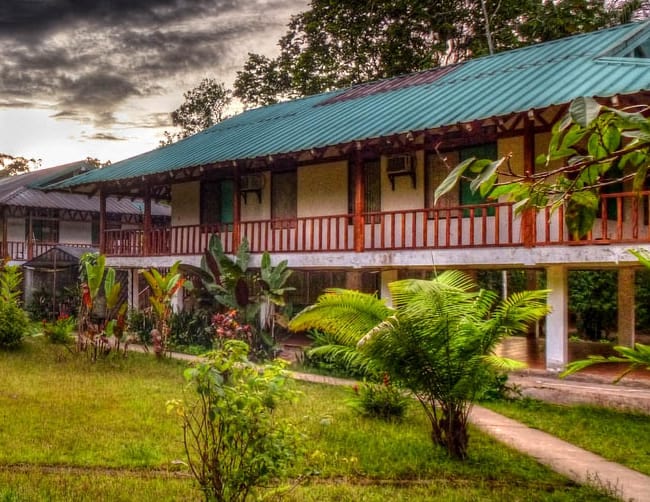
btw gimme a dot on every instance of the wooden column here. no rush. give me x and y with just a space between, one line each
146 224
358 202
30 235
102 222
236 211
5 232
528 216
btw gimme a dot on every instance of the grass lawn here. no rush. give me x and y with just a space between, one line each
75 430
618 436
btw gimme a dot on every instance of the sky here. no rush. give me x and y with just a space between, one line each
99 78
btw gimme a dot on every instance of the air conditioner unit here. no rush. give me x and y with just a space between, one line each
400 165
251 183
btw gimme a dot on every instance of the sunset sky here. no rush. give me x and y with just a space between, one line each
98 78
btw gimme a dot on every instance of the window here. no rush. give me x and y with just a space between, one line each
462 195
284 198
371 189
436 173
217 202
44 230
467 197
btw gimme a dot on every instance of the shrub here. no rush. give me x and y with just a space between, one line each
140 323
233 440
59 331
379 400
191 328
14 322
14 325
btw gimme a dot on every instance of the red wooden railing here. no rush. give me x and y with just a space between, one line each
623 218
20 250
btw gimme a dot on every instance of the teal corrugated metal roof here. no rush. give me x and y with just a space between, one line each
531 77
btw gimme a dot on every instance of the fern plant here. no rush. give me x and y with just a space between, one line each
437 341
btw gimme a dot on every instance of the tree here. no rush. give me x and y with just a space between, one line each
204 106
595 146
337 43
10 165
437 341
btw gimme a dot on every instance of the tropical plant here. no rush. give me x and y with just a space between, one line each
637 357
95 323
595 146
162 290
272 284
60 330
14 321
235 443
379 400
437 341
255 297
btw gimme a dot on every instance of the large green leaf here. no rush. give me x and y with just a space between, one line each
584 110
452 178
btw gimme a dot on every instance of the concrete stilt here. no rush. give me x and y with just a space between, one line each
557 322
387 276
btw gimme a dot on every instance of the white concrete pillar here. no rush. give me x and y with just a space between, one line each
557 322
626 319
134 293
387 276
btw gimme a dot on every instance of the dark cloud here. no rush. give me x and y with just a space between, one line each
105 136
91 60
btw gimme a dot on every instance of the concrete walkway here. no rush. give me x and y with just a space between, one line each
575 463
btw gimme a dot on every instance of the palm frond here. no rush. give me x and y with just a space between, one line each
346 314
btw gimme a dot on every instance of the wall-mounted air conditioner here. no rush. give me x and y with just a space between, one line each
251 183
400 165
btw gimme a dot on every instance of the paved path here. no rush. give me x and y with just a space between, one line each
575 463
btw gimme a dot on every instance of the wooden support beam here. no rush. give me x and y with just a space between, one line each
102 222
146 240
358 202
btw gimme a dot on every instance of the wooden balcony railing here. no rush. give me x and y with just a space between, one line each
22 251
623 218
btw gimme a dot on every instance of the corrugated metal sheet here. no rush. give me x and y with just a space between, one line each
22 191
518 80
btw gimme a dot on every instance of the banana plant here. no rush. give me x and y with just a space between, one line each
272 283
162 290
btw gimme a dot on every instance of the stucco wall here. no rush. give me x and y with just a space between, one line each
252 208
404 196
323 189
186 204
75 232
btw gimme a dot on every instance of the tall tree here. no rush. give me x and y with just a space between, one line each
10 165
204 106
337 43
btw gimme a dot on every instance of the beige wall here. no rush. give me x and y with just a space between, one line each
75 232
323 189
404 196
252 208
186 204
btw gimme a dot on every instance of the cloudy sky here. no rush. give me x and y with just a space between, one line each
98 78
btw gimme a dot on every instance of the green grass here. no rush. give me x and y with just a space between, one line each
618 436
76 430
